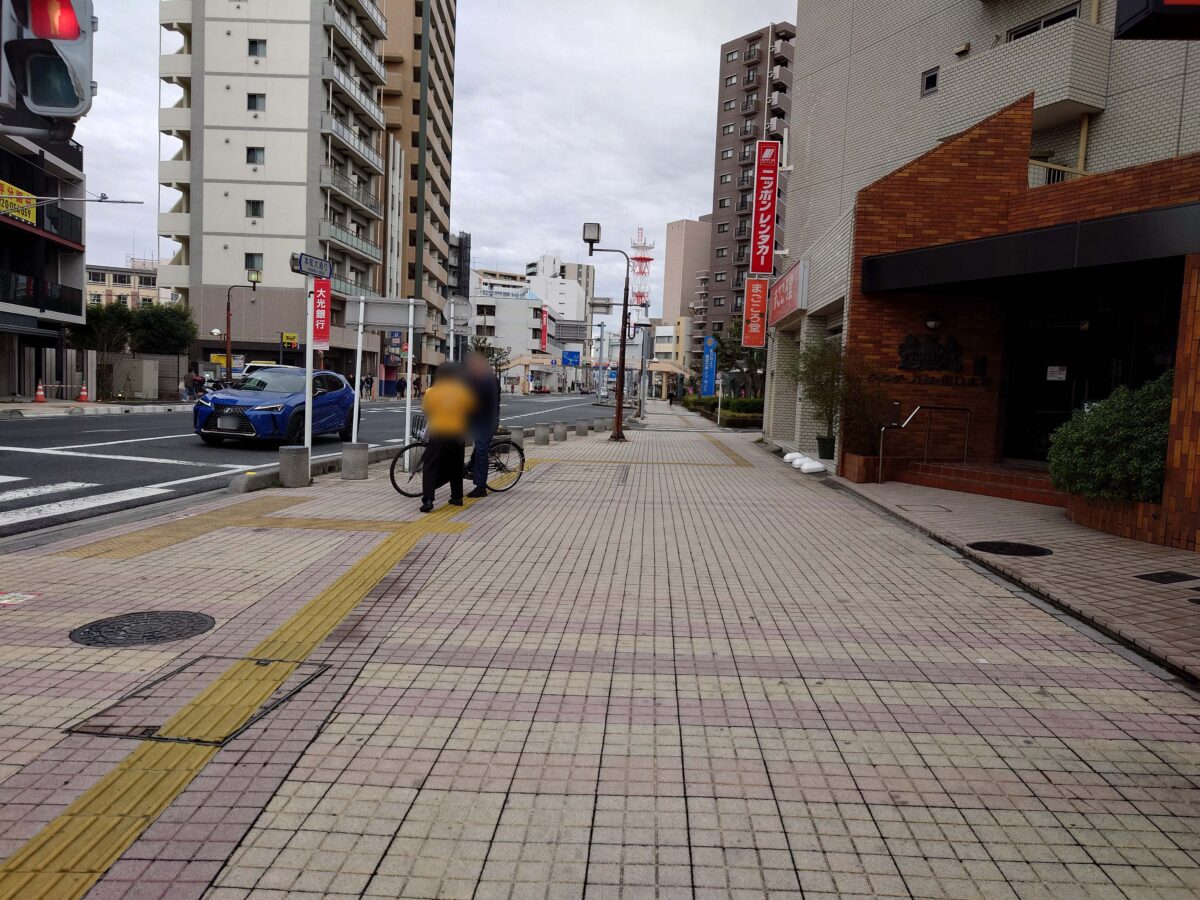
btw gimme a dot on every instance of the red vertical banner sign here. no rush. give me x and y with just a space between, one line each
754 315
766 193
321 291
545 326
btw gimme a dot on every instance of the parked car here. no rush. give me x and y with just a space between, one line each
269 405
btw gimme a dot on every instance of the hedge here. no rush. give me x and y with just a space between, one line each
729 404
1116 449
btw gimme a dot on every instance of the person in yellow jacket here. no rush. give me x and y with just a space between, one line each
448 405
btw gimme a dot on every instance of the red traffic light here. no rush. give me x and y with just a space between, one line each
53 20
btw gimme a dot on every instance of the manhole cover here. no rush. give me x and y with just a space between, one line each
139 629
1167 577
1010 548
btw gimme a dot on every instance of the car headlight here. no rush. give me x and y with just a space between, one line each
270 407
203 401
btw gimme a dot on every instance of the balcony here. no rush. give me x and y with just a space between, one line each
747 155
753 55
373 17
1065 66
358 96
52 218
175 67
750 106
779 103
345 136
743 206
745 180
341 184
36 295
173 119
775 127
1042 174
174 171
780 76
784 31
751 81
174 276
780 50
175 225
743 231
361 49
749 131
344 287
348 240
175 12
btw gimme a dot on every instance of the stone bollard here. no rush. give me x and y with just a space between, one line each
541 434
354 462
598 425
610 424
294 468
560 431
581 427
517 436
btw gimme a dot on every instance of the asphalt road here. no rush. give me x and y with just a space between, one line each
55 470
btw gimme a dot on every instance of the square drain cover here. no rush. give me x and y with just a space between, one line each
210 700
1167 577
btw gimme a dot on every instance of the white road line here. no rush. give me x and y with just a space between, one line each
4 479
42 490
540 412
165 437
48 510
53 451
165 484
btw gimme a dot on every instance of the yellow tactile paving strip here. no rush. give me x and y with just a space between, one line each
73 851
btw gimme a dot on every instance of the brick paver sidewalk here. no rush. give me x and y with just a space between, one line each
667 668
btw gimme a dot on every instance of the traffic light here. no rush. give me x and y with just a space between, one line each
48 55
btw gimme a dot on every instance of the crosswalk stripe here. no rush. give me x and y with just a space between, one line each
42 490
46 510
4 479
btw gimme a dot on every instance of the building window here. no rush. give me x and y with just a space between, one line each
145 301
731 56
256 156
253 261
726 154
95 277
729 104
1059 15
123 299
929 81
257 47
256 102
723 228
122 278
730 80
94 299
726 178
737 304
718 326
148 280
723 203
722 251
727 129
254 209
719 276
718 301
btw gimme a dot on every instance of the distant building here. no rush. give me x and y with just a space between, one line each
132 285
567 291
689 245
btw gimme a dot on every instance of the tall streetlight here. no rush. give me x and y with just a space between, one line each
591 237
254 277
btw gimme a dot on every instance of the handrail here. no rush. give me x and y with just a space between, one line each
928 429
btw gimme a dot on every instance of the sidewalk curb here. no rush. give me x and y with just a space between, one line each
1110 630
98 411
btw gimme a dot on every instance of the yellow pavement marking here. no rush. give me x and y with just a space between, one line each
70 854
738 460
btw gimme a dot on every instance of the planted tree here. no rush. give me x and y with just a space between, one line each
168 330
107 332
499 357
733 357
819 370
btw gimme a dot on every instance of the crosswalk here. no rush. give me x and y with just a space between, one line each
70 497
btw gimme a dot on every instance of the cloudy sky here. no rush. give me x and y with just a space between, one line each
565 111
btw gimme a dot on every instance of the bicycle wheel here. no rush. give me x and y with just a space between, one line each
506 462
408 468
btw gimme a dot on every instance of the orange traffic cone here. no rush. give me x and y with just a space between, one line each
40 395
83 394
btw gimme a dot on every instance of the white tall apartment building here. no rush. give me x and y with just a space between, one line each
567 293
273 144
877 84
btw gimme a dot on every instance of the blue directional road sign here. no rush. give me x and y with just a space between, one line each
708 379
570 358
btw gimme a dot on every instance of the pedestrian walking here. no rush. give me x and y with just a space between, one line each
402 387
484 420
448 406
671 398
370 387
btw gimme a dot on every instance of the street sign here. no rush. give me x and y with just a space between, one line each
290 340
321 291
766 193
312 266
570 357
754 320
708 378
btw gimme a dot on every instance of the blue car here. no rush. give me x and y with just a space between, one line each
269 405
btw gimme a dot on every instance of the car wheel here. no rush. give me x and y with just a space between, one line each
347 431
213 440
295 429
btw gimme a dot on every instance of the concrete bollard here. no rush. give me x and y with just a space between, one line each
294 467
560 431
517 436
541 434
354 462
610 424
598 425
582 426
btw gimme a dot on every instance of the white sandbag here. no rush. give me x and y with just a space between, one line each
791 457
812 467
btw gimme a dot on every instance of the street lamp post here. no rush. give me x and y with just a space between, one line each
253 276
591 237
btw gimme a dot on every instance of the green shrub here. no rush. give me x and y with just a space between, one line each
739 419
1116 449
743 404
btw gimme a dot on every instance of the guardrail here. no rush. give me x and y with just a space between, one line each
1044 173
928 430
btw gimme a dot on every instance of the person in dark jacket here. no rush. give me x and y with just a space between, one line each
484 420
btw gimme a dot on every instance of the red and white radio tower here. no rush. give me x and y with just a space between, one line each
641 260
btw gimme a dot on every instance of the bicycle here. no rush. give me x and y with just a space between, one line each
506 462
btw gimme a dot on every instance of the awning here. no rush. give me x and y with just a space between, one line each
669 367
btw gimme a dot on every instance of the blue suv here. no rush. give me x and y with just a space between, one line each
269 405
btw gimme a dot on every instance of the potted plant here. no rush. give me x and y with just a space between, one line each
819 370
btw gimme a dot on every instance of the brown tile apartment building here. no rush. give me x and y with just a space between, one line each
753 103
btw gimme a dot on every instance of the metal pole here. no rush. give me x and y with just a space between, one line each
362 317
228 335
281 348
450 303
618 432
602 376
308 364
412 304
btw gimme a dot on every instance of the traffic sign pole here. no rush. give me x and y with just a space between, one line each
362 317
308 366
